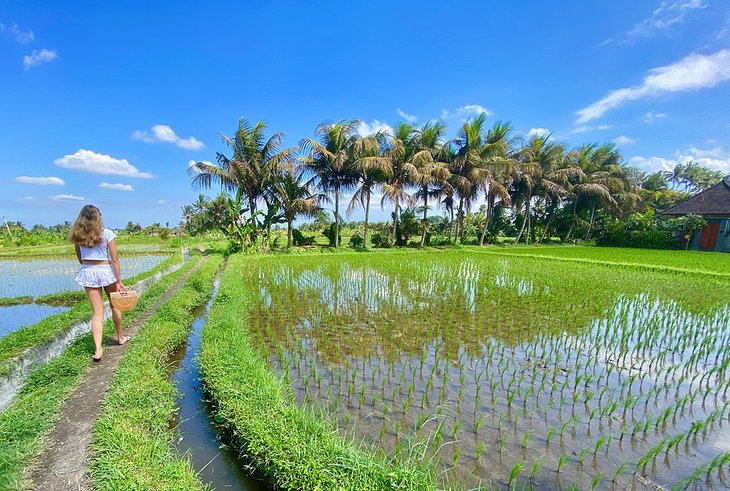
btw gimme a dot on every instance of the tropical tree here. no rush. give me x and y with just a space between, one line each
400 152
372 168
431 171
467 167
249 172
539 173
294 198
499 167
328 161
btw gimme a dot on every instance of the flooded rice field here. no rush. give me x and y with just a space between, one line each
508 372
35 277
14 317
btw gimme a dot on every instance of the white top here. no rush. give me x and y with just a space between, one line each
100 252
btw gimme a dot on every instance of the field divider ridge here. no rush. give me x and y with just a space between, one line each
288 446
26 424
132 438
23 351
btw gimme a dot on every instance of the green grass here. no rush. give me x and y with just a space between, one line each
290 447
13 344
132 446
26 423
8 301
695 262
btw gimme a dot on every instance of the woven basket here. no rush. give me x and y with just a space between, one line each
124 300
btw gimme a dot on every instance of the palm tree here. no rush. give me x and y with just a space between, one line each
372 168
400 152
294 198
430 171
499 166
251 170
467 167
538 162
329 161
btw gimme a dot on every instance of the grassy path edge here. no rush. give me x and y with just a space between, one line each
132 446
288 446
27 422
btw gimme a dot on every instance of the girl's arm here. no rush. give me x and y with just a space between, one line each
112 245
78 253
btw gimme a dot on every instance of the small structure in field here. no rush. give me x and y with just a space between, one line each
712 204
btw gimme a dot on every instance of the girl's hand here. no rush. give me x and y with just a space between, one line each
121 287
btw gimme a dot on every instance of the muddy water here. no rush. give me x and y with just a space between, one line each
483 368
217 464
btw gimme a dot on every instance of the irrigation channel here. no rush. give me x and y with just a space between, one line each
217 464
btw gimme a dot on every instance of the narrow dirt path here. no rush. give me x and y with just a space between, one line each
64 463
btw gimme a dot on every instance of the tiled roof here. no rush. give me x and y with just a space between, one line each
711 201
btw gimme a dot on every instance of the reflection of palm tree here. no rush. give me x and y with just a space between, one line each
329 161
372 169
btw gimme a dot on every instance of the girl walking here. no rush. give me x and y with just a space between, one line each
96 250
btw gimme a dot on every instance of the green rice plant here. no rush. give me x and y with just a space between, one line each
513 475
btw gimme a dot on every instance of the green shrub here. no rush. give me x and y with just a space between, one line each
357 241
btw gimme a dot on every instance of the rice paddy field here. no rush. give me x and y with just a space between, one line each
26 278
510 369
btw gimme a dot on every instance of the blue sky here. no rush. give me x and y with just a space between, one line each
107 102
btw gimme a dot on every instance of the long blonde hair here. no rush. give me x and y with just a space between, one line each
88 230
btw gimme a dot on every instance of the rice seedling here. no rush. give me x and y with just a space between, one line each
502 347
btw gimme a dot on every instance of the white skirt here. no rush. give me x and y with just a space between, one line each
96 275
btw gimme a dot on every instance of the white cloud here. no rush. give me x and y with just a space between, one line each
625 140
39 57
27 199
22 36
653 116
192 168
41 181
98 163
715 158
408 117
66 197
163 133
465 112
664 17
365 129
693 72
606 42
585 129
539 132
116 186
163 202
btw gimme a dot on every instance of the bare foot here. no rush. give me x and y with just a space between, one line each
96 357
123 340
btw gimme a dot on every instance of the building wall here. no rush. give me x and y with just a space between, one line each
723 237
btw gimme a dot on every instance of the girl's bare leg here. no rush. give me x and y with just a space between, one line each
116 315
97 318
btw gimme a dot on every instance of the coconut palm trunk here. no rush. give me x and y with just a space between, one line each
487 219
337 216
367 213
425 212
459 221
289 232
395 221
590 225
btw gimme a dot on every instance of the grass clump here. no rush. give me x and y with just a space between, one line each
27 422
132 438
289 447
